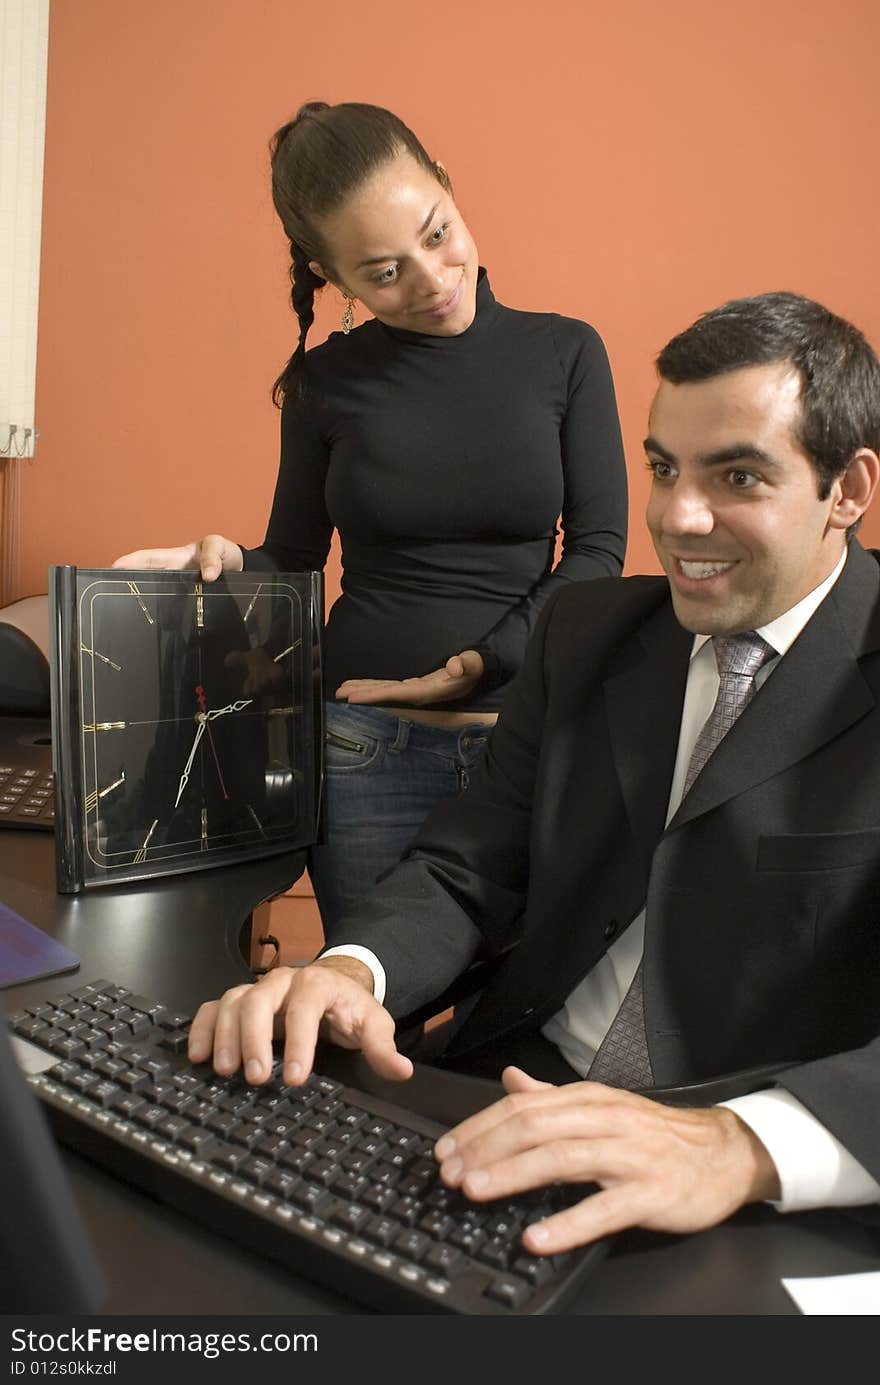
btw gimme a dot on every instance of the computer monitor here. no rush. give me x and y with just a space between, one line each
47 1264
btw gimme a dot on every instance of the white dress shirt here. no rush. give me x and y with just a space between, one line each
815 1170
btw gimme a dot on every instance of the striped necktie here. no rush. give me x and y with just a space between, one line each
622 1059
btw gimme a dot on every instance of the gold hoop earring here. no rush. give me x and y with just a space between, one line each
348 315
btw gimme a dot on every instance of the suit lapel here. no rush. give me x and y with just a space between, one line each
644 693
816 691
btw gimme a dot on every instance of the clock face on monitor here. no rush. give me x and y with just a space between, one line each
187 721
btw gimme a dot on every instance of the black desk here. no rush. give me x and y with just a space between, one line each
178 942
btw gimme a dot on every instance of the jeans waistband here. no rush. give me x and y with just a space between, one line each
396 731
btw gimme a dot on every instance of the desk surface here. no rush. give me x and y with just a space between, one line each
178 941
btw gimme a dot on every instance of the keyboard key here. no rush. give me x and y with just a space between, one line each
352 1216
255 1169
246 1134
84 1081
313 1197
358 1161
173 1020
173 1127
272 1146
104 1093
39 1012
349 1185
65 1047
495 1251
33 1028
134 1079
200 1141
508 1290
379 1199
382 1230
151 1117
221 1122
282 1184
150 1008
128 1104
351 1119
437 1224
297 1159
443 1260
468 1238
534 1268
323 1170
412 1244
230 1158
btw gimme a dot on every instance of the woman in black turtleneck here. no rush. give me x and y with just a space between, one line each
442 439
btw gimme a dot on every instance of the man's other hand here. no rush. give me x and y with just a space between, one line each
661 1167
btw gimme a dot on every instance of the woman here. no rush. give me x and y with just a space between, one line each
442 439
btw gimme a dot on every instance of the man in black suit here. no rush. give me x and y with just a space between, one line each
725 888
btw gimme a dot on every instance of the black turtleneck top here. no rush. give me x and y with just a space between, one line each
445 463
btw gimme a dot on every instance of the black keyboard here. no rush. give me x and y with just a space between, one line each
26 793
26 797
337 1184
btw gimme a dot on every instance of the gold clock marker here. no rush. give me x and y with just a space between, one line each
141 854
253 601
133 588
289 650
93 653
200 606
92 798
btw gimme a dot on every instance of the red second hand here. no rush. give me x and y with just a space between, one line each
203 707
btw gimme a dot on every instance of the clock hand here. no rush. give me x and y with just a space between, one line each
203 705
203 718
231 707
203 721
216 762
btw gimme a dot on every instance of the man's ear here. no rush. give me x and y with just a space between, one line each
855 489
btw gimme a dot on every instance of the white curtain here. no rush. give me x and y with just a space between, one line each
24 43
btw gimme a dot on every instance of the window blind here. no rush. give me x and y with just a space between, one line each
24 42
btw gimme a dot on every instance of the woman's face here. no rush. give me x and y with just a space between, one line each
400 245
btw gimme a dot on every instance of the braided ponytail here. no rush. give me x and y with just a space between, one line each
319 159
302 296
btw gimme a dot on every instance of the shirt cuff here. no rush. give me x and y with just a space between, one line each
369 959
815 1170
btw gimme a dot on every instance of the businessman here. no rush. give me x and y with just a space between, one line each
678 825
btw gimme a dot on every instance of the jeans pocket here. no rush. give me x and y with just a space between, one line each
349 754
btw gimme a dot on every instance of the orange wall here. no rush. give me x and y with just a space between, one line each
632 164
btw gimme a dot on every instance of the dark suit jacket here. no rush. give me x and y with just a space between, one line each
762 939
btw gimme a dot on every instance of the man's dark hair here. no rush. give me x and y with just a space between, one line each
839 371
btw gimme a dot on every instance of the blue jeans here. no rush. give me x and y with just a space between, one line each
382 776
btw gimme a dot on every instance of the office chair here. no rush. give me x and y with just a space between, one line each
30 614
24 657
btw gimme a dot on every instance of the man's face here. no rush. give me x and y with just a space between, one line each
734 511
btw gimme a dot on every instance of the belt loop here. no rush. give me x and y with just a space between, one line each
400 740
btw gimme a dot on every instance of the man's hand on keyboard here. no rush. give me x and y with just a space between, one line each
332 999
656 1166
